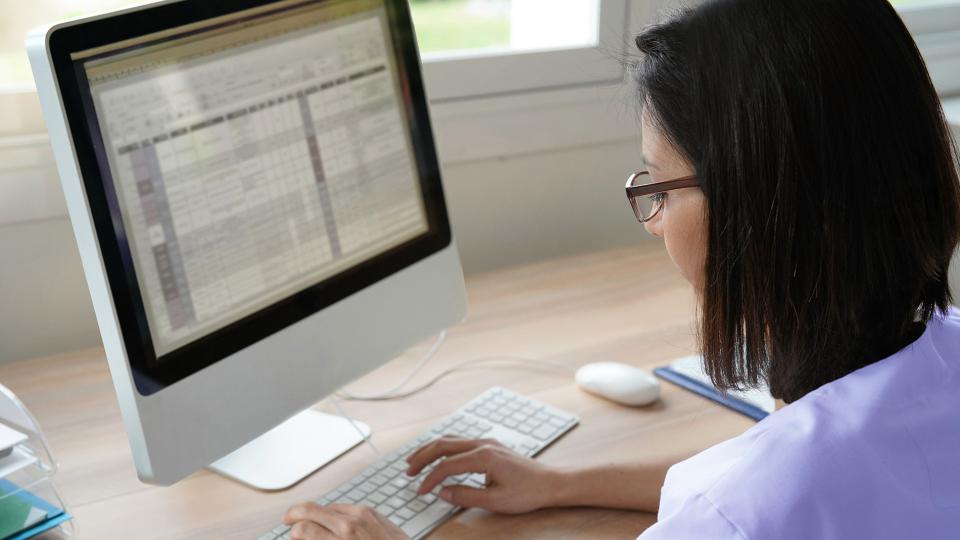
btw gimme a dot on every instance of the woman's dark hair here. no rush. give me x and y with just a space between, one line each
830 179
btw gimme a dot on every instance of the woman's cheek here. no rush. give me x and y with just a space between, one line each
685 234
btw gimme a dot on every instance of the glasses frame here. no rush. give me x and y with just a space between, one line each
635 192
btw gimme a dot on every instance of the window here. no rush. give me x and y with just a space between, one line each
449 28
477 48
899 3
935 25
925 17
20 16
470 47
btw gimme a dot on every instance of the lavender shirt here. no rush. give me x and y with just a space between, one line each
875 454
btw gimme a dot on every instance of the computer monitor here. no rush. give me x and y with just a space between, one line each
257 203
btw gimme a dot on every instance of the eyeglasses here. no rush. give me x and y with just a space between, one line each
646 196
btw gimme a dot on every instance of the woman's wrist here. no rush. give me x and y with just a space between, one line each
635 487
564 488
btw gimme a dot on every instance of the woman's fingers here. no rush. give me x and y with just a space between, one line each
468 497
308 530
474 461
302 511
342 520
445 446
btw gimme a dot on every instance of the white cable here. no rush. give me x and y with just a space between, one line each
463 365
397 391
343 394
363 434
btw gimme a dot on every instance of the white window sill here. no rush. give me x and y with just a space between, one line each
951 110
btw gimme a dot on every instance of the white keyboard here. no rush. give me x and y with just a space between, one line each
518 422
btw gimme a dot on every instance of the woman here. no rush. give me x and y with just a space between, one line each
817 217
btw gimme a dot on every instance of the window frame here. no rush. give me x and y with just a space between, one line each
461 75
936 29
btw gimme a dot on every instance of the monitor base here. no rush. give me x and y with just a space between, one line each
291 451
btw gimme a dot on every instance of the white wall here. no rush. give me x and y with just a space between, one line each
543 205
46 308
951 109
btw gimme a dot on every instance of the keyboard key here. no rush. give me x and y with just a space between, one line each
478 480
448 481
427 517
376 498
544 432
406 513
385 510
397 520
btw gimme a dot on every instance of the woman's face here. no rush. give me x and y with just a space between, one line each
682 223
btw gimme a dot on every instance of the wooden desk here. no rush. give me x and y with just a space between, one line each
627 305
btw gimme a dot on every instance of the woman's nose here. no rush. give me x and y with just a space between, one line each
655 225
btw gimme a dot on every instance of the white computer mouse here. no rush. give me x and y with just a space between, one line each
622 383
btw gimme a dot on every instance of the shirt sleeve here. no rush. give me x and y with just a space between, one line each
693 517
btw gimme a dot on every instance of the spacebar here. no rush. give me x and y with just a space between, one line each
430 515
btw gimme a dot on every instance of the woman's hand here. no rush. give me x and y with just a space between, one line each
515 484
310 521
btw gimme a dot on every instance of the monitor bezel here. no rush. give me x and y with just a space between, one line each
150 372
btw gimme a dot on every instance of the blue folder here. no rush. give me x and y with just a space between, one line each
667 373
55 516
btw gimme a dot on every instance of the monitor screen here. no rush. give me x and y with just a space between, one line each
253 158
250 157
